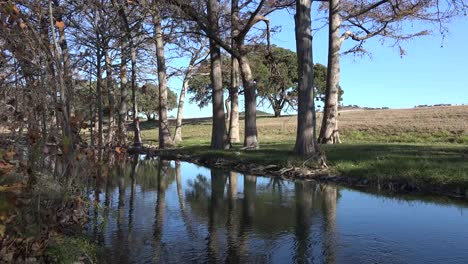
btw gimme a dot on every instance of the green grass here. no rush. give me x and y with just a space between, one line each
71 249
424 166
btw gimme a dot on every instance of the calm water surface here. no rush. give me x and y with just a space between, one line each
170 212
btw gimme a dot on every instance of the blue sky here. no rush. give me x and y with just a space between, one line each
428 74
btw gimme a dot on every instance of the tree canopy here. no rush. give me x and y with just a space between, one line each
275 73
148 103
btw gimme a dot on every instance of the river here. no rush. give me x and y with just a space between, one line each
154 211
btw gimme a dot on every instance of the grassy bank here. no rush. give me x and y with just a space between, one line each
426 168
434 125
423 149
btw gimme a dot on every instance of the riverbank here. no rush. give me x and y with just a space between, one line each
403 168
407 150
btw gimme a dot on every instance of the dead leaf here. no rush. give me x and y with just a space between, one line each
14 188
118 150
5 168
60 25
8 156
15 10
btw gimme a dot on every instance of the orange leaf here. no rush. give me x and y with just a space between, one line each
60 24
118 150
22 25
16 10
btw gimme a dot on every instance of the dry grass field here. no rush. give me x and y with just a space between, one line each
419 125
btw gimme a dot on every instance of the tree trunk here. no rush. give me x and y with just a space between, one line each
110 94
61 84
234 94
329 133
218 132
180 109
165 139
227 105
188 75
305 140
277 111
136 121
123 108
67 71
234 136
250 136
91 108
99 102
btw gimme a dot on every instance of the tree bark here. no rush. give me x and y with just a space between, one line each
67 71
218 132
99 102
165 139
250 138
305 139
180 109
61 84
234 136
277 111
227 105
234 114
111 97
185 85
250 119
123 107
329 133
136 121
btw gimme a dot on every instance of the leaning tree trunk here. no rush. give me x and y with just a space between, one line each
305 140
329 133
180 109
218 132
165 139
188 75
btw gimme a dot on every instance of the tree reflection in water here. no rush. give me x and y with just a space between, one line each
213 216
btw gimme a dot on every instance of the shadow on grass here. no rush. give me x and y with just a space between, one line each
419 165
